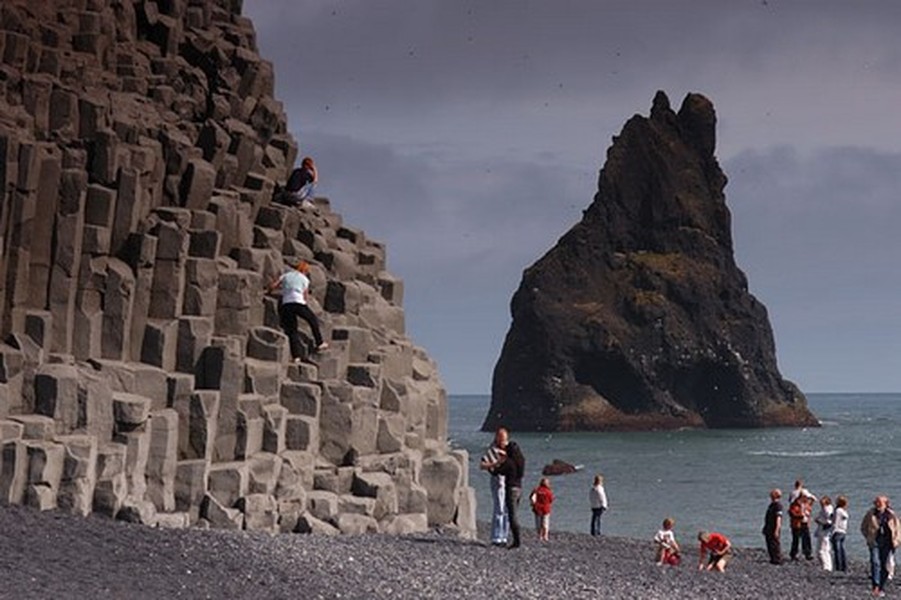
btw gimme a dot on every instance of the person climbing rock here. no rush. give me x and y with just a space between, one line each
295 285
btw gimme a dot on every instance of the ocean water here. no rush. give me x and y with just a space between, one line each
717 480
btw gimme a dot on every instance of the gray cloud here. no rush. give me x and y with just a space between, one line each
818 238
467 135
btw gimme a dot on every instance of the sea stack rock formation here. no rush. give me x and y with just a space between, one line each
639 317
143 374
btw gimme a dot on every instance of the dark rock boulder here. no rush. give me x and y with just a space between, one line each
560 467
639 317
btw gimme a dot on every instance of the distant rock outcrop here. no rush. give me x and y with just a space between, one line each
143 374
639 318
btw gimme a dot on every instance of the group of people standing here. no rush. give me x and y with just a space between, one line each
506 464
880 527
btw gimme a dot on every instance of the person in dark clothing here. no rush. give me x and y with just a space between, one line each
302 183
772 527
512 468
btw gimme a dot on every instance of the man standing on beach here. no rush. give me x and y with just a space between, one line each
493 458
882 530
512 468
772 527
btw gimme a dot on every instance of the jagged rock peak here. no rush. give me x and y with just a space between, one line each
638 317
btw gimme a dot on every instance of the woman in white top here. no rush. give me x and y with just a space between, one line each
295 285
598 499
824 520
839 529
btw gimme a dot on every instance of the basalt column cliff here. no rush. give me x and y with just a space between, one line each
639 318
143 374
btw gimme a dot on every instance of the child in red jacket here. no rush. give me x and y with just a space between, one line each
541 498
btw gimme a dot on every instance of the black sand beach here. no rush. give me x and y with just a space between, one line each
52 555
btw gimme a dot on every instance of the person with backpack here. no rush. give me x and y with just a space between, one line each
512 469
799 515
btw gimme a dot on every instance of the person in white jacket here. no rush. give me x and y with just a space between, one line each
824 520
598 500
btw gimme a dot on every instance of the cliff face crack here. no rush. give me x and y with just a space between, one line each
647 322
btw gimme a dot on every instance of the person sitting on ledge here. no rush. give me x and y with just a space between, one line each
295 285
302 183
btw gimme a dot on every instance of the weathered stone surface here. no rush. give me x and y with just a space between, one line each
130 411
380 486
301 398
56 395
390 437
137 453
194 334
220 516
323 505
274 423
301 433
176 520
198 424
220 368
111 488
13 472
162 461
296 474
289 513
249 426
308 523
260 512
36 427
264 469
262 378
228 482
144 371
404 524
441 477
138 511
633 322
191 478
76 492
268 344
354 524
160 343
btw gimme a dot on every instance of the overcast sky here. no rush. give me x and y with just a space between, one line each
467 136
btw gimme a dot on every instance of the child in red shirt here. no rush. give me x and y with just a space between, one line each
717 547
541 498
